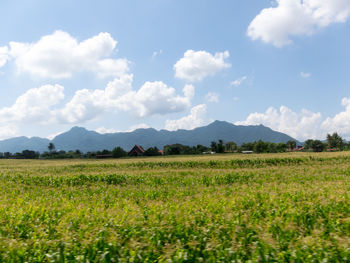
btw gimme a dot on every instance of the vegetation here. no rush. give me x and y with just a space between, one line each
334 143
119 152
179 149
289 207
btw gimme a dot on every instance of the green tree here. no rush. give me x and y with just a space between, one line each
260 147
119 152
334 141
281 147
220 146
152 151
291 144
27 154
51 147
247 146
214 146
318 146
231 146
308 144
199 149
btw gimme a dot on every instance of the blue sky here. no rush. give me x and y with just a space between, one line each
119 65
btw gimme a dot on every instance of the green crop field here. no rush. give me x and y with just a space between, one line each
292 207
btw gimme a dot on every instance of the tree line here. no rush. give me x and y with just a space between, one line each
334 142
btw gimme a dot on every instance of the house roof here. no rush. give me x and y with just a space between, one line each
137 149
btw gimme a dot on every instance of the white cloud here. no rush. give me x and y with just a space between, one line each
40 105
104 130
157 53
302 126
8 131
59 55
305 75
52 136
4 56
196 119
238 82
212 97
197 65
276 25
151 99
340 122
33 106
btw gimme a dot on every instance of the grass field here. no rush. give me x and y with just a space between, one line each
291 207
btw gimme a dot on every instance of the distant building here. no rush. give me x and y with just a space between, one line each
247 152
136 151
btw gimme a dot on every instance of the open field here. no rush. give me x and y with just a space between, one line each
265 208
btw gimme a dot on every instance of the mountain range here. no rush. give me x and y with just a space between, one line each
85 140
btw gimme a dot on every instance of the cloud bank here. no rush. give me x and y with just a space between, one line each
303 125
44 105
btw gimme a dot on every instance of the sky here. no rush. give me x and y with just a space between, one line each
113 66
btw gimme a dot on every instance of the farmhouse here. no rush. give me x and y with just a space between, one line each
136 151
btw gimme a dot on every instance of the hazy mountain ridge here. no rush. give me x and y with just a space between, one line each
84 140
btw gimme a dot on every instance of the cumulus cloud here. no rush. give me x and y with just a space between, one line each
302 126
43 105
4 56
212 97
197 65
34 105
8 131
195 119
340 122
238 82
59 55
151 99
278 24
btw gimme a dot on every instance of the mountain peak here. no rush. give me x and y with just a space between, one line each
77 128
218 123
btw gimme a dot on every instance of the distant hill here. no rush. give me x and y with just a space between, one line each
84 140
19 144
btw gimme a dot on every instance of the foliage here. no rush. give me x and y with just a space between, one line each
291 144
179 149
308 144
314 145
231 147
318 146
119 152
51 147
335 141
152 151
220 146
